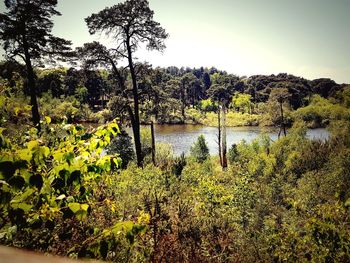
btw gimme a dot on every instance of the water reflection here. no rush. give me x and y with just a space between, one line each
181 137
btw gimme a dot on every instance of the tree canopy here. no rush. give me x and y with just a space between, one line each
129 24
25 32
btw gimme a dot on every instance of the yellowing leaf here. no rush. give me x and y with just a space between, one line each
84 207
47 119
32 144
25 154
75 207
16 110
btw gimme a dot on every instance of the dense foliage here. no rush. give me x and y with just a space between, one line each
91 193
279 201
90 95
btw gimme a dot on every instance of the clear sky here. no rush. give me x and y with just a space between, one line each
308 38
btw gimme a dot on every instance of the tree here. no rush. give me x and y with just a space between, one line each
242 102
221 92
51 80
25 33
280 95
206 80
208 105
129 24
200 150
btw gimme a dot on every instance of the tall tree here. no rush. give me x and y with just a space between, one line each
130 24
280 95
25 33
221 91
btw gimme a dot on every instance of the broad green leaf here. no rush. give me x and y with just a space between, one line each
122 226
25 207
23 197
45 151
81 214
347 203
32 144
75 207
84 207
58 155
25 154
47 119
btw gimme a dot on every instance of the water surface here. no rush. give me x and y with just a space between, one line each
181 137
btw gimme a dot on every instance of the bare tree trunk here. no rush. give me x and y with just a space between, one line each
153 144
219 136
283 125
224 146
31 85
183 102
136 122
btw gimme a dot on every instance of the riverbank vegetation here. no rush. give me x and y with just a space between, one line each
278 201
88 96
100 193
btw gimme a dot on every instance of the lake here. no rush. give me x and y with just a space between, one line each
181 137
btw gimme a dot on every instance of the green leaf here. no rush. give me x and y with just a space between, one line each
81 214
347 203
24 196
47 119
122 226
25 207
75 207
84 207
32 144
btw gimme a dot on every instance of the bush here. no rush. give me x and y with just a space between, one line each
123 146
179 164
232 153
164 155
321 111
102 116
146 144
208 105
200 150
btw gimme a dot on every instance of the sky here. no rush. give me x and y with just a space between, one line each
307 38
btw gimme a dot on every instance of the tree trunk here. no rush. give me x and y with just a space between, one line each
183 102
219 136
136 122
224 147
153 144
283 126
31 85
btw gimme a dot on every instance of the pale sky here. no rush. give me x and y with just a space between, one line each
308 38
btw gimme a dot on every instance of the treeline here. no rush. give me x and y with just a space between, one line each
165 93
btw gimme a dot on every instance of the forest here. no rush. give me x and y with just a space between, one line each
74 183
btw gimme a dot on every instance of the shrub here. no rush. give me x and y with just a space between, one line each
179 164
164 155
200 150
232 153
123 146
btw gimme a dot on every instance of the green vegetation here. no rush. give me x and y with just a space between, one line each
92 193
321 111
200 150
279 201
